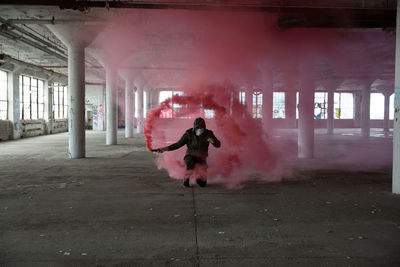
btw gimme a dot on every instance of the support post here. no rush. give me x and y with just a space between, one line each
140 118
111 103
13 103
365 111
306 119
290 106
76 92
386 113
128 109
396 121
267 110
330 119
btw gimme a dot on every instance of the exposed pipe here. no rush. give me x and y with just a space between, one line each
32 43
55 44
7 23
6 58
196 5
52 21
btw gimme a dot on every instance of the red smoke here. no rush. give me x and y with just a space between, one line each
245 148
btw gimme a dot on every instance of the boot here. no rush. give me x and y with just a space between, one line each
201 182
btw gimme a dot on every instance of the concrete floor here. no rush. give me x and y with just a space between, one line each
115 208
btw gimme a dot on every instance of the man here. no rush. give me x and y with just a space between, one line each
197 140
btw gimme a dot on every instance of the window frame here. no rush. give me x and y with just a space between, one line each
26 104
5 100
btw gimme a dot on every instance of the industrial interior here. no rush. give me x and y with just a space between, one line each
303 95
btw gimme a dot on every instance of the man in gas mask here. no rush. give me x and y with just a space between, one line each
197 140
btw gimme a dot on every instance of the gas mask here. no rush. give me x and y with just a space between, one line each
199 131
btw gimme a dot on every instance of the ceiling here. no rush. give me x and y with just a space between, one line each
168 41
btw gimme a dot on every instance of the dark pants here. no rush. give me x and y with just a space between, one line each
191 161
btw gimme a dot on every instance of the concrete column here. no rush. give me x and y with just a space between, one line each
330 119
267 120
357 109
76 37
13 103
148 100
140 118
306 120
249 103
365 111
111 103
129 109
396 121
76 93
48 105
290 106
156 98
386 113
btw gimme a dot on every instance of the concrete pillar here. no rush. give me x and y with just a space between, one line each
155 98
306 119
267 120
76 37
331 110
357 109
365 111
386 113
48 105
290 106
140 118
111 103
129 110
396 121
249 103
76 93
13 103
148 100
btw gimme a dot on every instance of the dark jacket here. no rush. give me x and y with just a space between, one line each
196 145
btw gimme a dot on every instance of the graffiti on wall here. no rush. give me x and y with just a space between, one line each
98 113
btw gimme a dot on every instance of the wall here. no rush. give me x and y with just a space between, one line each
95 107
6 130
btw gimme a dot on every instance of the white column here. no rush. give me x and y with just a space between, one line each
111 103
330 119
128 109
396 121
365 112
13 103
148 100
386 113
76 93
290 108
156 98
140 118
267 110
48 105
249 102
306 120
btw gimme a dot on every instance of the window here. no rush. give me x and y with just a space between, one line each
320 105
377 106
343 106
170 113
257 104
31 98
278 105
60 101
3 95
391 107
